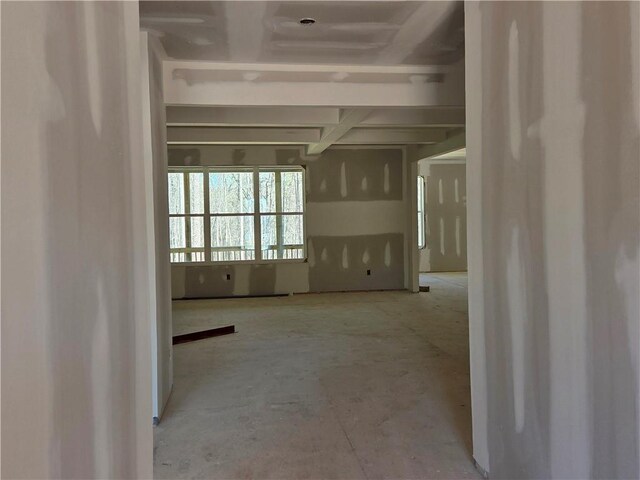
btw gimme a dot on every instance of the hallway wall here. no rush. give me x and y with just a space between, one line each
155 155
355 221
76 388
553 127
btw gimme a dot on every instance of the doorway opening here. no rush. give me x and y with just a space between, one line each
337 365
442 217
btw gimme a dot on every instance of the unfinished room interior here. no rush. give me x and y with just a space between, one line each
320 240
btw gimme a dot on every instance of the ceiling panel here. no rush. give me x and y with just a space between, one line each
358 33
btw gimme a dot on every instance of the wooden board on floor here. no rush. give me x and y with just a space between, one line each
212 332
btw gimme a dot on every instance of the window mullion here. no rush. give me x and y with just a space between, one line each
279 233
187 211
257 227
207 216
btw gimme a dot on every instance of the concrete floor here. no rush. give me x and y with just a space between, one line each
345 385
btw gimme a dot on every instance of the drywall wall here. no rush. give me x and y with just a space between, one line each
354 222
155 143
76 377
553 128
446 216
412 254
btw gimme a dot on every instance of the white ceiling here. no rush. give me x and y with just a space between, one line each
386 51
354 33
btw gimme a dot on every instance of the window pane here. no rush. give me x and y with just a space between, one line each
232 238
292 230
281 237
231 192
196 192
267 191
177 237
268 237
176 192
292 191
197 232
197 239
186 239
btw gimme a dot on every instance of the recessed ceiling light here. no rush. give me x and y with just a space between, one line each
307 21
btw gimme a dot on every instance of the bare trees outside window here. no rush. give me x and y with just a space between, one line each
242 226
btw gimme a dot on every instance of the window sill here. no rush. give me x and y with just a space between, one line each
238 262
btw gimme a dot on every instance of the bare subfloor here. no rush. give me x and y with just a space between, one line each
344 385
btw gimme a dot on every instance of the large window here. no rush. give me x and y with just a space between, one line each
422 240
250 214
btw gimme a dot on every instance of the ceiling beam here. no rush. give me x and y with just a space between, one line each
455 141
308 67
449 117
348 119
252 116
247 136
416 117
316 139
391 136
350 86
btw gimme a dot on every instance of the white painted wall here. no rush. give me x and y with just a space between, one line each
553 149
76 385
155 155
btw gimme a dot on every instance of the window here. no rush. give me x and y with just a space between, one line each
422 241
241 226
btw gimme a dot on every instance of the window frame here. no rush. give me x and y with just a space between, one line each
421 182
257 214
187 215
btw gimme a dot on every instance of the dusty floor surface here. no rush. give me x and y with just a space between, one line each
346 385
